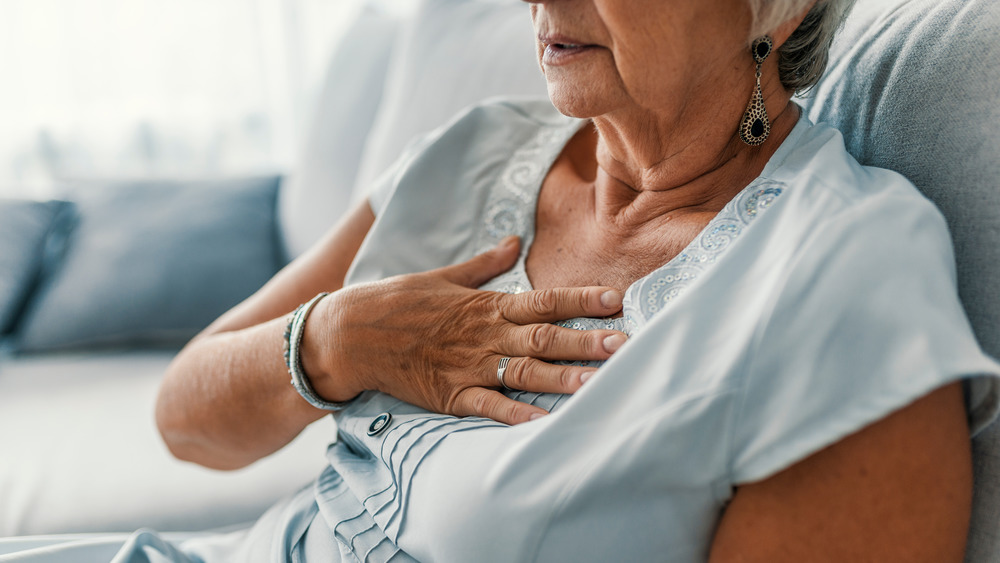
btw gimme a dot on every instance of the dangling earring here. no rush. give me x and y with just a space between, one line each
755 127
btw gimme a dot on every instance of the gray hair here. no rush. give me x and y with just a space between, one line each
803 57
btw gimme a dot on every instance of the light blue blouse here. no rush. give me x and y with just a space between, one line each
819 300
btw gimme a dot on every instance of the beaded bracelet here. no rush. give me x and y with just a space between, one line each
293 340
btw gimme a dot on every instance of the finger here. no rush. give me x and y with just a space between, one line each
477 401
551 305
552 342
483 267
529 374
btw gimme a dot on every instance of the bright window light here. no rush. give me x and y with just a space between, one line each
116 88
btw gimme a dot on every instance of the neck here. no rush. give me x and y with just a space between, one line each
647 171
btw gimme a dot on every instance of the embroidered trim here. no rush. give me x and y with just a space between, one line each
512 201
510 210
651 294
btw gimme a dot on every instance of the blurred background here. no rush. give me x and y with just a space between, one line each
146 88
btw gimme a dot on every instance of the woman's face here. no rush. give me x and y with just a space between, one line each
600 56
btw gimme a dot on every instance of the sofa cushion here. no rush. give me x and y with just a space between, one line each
24 229
88 457
452 54
318 191
913 86
152 263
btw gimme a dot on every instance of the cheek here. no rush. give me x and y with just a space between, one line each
651 72
648 46
666 50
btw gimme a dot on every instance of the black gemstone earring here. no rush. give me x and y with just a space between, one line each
755 127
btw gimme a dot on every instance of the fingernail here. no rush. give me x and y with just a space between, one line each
585 376
611 299
535 416
614 342
508 242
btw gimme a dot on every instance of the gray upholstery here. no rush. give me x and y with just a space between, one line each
24 230
913 85
153 262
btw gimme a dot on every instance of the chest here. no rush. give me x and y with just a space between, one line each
573 247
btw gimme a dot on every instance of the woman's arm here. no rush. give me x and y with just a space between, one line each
429 339
226 400
898 490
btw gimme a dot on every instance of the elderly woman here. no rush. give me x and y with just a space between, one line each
785 349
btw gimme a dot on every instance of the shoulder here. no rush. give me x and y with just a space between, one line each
863 315
441 187
819 165
478 139
817 154
830 195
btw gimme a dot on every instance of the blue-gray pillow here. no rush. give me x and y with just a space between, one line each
913 86
24 228
151 263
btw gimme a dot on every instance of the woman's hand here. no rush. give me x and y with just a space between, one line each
429 339
433 340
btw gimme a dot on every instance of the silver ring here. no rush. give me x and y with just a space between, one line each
502 368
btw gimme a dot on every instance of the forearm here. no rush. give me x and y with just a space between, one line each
226 400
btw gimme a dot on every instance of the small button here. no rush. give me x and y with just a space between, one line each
380 423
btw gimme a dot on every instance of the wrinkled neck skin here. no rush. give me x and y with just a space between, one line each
650 165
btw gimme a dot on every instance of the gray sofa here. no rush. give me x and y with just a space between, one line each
99 289
912 84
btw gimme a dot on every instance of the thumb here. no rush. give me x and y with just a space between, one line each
479 269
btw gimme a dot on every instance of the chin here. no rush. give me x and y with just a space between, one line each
582 101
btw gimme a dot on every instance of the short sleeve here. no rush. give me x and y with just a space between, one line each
867 322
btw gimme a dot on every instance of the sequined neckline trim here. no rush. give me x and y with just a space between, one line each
653 292
513 201
511 206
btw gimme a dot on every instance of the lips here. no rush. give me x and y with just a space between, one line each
562 40
563 50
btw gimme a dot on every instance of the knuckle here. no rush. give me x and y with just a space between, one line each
540 337
511 411
498 307
518 377
492 305
543 303
596 343
461 403
567 377
481 403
